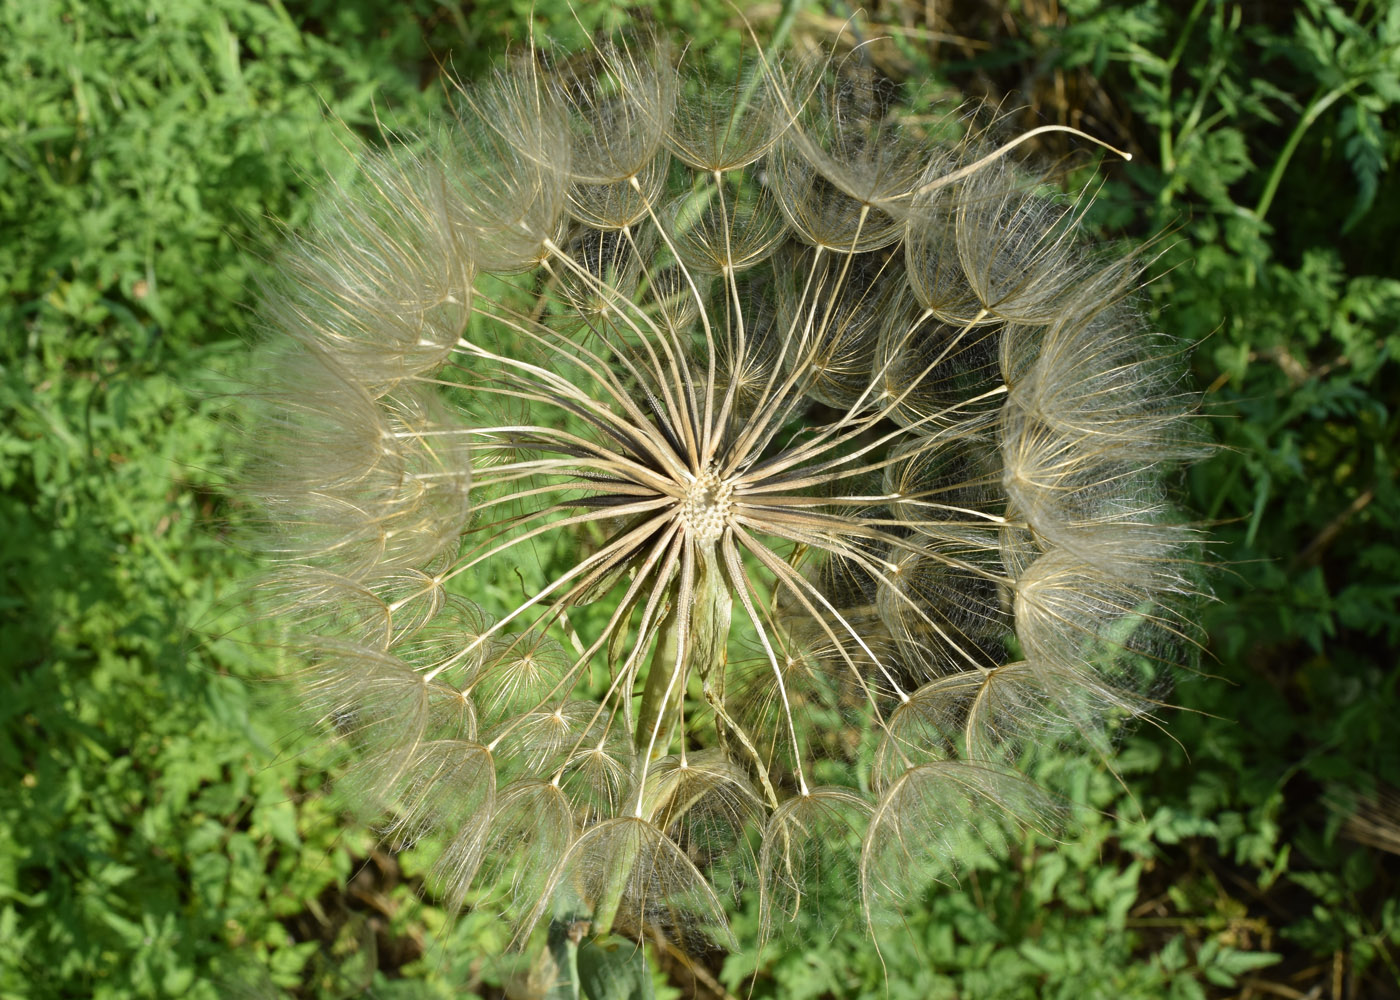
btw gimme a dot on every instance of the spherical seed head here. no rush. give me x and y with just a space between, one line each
729 370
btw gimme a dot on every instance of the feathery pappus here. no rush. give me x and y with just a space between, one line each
822 459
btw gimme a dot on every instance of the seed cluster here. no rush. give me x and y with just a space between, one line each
689 480
706 507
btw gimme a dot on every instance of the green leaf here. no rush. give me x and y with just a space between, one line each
614 969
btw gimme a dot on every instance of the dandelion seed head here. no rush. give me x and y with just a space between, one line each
851 448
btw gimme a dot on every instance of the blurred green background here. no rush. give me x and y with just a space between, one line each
163 832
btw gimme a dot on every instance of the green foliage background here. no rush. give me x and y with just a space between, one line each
163 835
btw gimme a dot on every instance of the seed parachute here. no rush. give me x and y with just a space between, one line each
684 481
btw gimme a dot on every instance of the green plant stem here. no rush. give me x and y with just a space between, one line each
700 650
658 710
1315 109
605 909
714 608
688 642
1167 151
787 15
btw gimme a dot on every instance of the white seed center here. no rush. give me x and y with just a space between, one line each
706 505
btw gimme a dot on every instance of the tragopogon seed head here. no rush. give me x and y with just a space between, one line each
684 482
